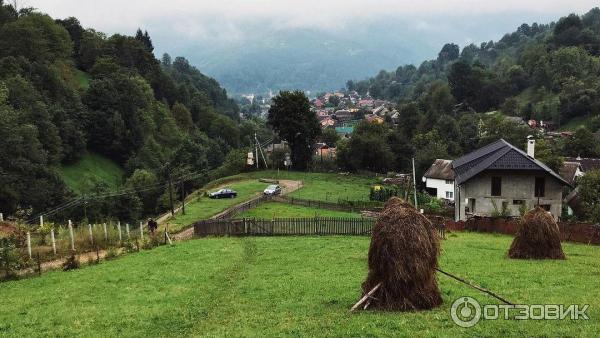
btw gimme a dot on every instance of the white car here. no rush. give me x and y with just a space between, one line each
273 189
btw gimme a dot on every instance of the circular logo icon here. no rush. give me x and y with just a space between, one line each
465 312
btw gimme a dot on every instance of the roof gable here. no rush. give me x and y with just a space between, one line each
440 169
499 155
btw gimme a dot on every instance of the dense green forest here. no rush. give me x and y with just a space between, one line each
67 91
460 101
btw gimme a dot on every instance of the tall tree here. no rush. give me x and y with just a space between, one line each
291 118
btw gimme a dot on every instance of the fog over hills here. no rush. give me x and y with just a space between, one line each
253 47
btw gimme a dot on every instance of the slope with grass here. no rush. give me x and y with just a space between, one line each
277 210
203 207
282 286
324 186
92 168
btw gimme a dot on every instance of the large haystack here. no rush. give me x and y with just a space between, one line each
403 257
537 238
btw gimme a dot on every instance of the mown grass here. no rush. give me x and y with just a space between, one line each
324 186
91 168
274 210
289 286
203 207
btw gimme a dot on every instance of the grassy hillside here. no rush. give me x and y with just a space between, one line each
325 187
204 207
83 79
91 168
289 286
275 210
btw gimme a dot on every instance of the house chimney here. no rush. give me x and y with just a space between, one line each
531 146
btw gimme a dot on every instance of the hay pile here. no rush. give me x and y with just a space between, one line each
537 238
403 257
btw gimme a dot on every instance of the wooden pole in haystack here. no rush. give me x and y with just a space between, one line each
477 287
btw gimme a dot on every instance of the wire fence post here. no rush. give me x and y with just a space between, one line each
105 232
91 234
53 239
71 234
119 226
142 231
1 217
29 244
127 230
41 221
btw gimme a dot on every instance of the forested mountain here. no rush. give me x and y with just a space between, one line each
549 72
460 101
66 90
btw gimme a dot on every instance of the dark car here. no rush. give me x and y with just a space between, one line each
272 190
223 193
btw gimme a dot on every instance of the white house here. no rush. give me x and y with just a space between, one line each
439 179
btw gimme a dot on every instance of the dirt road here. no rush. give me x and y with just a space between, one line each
287 186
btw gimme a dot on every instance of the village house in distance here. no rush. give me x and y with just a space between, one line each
500 177
439 180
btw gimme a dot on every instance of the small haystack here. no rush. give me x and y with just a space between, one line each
537 238
402 260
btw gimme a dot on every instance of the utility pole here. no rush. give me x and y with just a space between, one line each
415 183
170 192
256 149
273 154
84 207
182 198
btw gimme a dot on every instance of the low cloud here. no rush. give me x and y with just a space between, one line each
204 19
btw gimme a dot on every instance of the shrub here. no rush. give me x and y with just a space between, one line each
111 253
71 263
10 260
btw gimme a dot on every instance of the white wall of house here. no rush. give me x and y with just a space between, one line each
445 188
517 188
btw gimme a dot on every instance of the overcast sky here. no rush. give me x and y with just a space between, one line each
193 28
204 18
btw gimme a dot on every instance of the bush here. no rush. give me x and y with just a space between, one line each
111 253
383 193
71 263
10 261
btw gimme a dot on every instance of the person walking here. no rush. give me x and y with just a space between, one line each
152 225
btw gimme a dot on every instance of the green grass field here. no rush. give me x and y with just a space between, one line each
274 210
204 207
289 286
91 168
577 123
325 187
83 79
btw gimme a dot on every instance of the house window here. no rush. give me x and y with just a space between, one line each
496 186
449 194
518 202
449 182
540 187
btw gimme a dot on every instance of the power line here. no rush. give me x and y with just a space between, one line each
117 193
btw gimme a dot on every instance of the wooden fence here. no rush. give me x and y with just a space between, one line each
253 203
289 226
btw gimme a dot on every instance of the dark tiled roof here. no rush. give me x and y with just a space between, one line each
587 164
440 169
568 171
499 155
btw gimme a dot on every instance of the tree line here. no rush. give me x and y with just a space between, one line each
66 90
461 100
